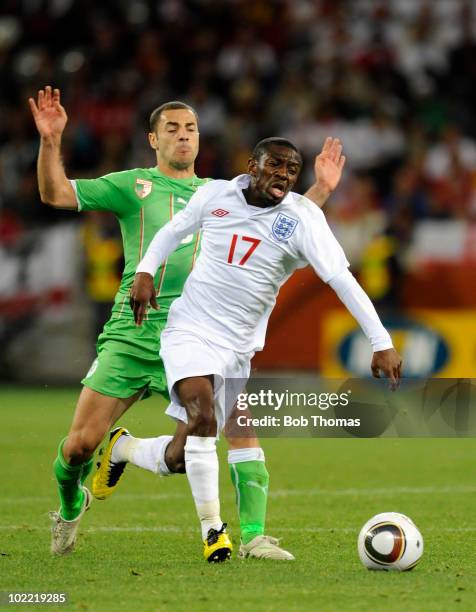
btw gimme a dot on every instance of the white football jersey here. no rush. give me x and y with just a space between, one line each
247 253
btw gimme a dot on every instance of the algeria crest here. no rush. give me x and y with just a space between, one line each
283 227
143 188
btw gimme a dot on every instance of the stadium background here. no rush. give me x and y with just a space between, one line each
393 79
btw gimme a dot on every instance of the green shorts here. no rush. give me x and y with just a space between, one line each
128 359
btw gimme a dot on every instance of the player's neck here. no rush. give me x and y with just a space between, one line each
254 199
174 172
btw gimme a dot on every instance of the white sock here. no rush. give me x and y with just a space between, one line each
201 465
147 453
121 451
239 455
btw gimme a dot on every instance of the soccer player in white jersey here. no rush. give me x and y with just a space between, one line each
255 233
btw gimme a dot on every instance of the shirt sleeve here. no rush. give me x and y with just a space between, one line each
361 308
318 245
103 193
166 240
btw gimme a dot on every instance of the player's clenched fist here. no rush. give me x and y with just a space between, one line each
142 294
50 117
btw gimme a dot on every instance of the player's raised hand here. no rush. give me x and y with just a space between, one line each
50 117
142 294
329 164
390 363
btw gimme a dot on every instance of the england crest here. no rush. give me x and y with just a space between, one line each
283 227
143 188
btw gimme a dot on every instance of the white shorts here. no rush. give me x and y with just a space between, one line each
185 354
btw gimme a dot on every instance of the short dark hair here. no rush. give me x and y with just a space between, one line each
174 105
266 143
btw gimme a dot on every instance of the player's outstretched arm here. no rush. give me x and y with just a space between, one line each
328 167
385 358
318 245
50 119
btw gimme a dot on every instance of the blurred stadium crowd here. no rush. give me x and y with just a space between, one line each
394 79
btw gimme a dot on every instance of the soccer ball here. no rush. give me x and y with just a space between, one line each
390 541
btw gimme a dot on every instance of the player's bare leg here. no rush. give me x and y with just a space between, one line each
250 478
165 455
196 395
95 414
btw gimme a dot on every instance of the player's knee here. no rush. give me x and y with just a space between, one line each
79 447
176 465
201 417
196 394
196 401
203 423
175 459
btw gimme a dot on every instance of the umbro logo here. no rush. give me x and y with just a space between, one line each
219 212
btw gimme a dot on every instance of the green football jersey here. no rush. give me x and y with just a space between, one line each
144 200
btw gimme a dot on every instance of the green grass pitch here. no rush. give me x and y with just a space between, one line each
141 549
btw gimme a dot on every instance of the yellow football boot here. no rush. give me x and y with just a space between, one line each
218 545
108 474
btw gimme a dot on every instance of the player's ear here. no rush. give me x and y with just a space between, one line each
252 166
153 140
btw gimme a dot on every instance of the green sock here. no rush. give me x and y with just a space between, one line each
251 480
69 478
87 467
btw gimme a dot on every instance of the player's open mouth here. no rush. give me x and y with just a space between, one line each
277 190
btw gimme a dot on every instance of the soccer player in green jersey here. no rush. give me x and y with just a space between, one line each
128 366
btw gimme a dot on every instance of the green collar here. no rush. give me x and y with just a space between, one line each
193 181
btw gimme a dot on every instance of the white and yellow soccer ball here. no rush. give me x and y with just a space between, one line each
390 541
